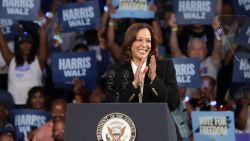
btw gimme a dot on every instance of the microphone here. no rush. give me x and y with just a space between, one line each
125 75
110 80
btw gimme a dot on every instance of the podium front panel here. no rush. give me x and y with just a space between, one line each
153 121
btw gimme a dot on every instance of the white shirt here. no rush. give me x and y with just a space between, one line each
134 68
22 78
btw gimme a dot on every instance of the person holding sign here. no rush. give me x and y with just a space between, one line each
197 48
141 76
25 66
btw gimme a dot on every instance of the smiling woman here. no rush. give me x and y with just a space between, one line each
141 76
149 77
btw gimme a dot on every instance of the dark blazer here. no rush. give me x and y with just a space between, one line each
162 89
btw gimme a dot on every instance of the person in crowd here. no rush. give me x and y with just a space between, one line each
44 133
58 129
242 97
204 99
8 133
97 95
4 115
197 48
185 33
7 98
36 98
25 65
80 94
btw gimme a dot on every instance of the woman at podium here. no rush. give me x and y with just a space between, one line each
141 75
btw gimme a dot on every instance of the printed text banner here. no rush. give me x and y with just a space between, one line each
209 126
25 10
26 119
187 72
132 9
79 16
69 66
241 69
194 11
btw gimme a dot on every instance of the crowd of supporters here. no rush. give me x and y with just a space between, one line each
32 49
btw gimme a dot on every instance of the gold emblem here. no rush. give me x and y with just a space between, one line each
116 127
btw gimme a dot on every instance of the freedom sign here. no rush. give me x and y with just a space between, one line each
25 119
213 126
68 66
132 9
8 27
241 7
25 10
187 72
79 16
194 11
243 37
241 69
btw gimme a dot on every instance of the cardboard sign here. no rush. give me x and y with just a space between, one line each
241 7
25 119
79 16
213 126
8 27
241 70
187 72
68 66
132 9
195 11
243 37
25 10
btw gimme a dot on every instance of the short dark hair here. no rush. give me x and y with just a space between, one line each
130 37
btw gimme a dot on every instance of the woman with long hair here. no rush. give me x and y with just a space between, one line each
25 65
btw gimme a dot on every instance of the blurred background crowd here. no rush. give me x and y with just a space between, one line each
216 55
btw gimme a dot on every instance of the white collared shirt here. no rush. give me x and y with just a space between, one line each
134 67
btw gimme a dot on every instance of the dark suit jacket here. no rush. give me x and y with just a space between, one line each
162 89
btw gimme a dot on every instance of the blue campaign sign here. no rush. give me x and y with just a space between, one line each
241 7
68 66
8 27
25 10
25 119
79 16
213 126
194 11
241 69
243 37
132 9
188 72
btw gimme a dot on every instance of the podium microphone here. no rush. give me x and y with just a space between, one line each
125 75
110 80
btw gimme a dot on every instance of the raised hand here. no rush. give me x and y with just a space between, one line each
139 74
172 21
152 68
